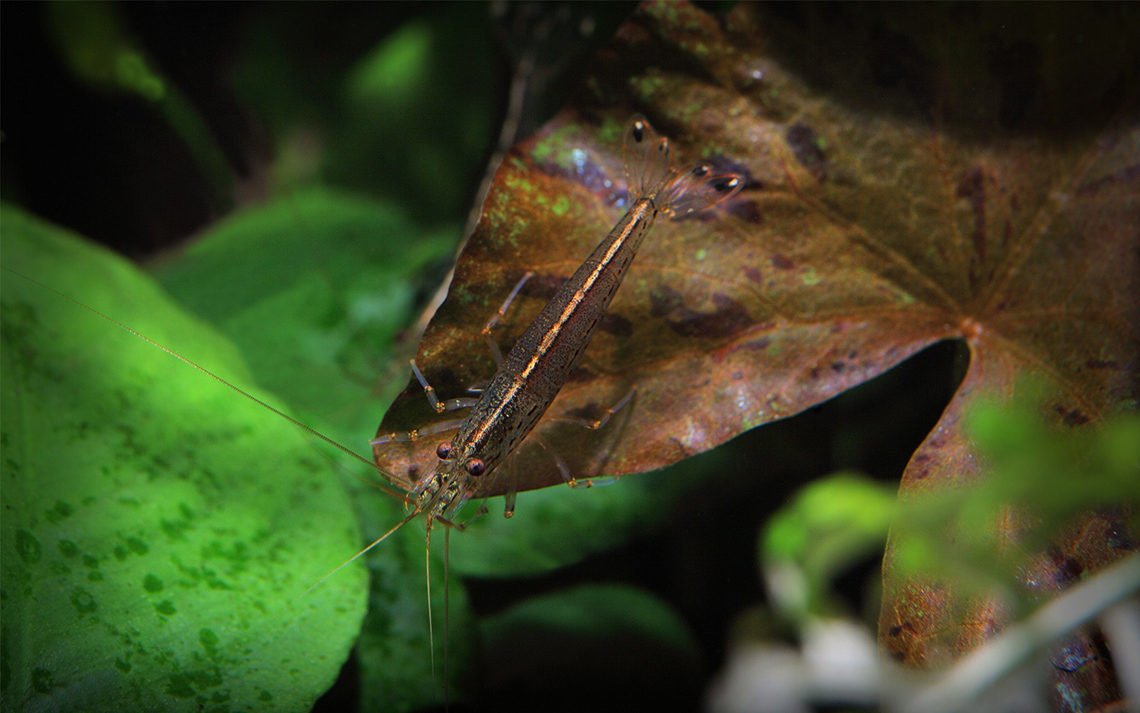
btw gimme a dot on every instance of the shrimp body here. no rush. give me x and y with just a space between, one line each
538 365
535 369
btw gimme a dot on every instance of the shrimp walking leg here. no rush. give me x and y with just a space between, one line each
565 469
598 423
592 425
457 403
410 436
441 406
494 347
558 462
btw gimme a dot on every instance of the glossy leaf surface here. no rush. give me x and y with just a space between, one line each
145 566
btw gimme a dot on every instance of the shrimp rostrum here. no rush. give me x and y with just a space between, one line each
533 372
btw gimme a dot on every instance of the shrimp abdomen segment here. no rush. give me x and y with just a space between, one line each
552 346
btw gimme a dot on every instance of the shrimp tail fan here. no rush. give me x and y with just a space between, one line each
696 188
649 174
646 156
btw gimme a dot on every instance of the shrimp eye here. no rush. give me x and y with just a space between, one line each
639 131
476 466
701 171
443 450
728 185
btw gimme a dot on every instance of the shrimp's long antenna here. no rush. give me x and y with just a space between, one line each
308 429
446 607
427 578
363 552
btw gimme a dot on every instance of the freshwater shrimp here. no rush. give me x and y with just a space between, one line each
534 371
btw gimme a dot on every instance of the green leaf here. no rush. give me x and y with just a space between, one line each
594 641
409 117
314 289
96 47
147 565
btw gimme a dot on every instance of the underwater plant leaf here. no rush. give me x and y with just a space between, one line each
421 100
924 178
147 566
314 288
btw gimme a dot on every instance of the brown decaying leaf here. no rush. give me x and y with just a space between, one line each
904 186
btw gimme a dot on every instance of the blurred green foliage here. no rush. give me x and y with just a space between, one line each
409 119
828 526
97 48
314 287
1044 477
